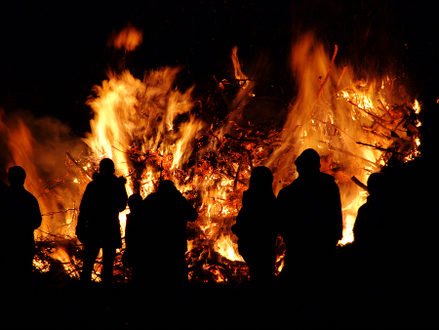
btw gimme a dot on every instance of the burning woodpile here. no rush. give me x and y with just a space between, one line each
154 131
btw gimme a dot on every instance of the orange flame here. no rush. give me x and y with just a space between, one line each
149 129
348 121
129 38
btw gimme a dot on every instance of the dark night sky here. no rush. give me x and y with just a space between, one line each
53 52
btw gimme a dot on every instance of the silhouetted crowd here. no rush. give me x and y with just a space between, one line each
307 214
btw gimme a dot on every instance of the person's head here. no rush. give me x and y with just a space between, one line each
308 162
166 187
106 167
261 178
375 184
135 202
16 176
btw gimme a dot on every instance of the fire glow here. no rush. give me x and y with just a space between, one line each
152 130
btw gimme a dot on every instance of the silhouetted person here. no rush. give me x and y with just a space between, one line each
136 228
167 213
98 221
311 225
370 226
22 217
255 226
375 263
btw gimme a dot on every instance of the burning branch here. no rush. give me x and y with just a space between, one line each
48 214
334 55
78 166
380 148
359 183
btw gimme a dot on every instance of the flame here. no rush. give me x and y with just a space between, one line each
42 166
352 123
416 106
129 38
240 76
152 131
128 111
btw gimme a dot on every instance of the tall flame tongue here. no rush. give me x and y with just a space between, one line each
147 127
354 125
150 130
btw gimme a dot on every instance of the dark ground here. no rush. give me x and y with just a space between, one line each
208 306
399 290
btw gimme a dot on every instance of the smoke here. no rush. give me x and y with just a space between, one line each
40 146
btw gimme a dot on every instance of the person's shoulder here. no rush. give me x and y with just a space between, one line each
29 196
114 180
363 208
289 188
111 182
121 180
95 179
152 197
246 194
91 185
326 177
249 197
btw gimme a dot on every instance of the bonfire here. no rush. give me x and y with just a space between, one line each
153 130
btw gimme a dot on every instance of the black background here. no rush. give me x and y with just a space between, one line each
52 52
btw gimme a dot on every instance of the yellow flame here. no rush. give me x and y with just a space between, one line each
344 129
350 122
